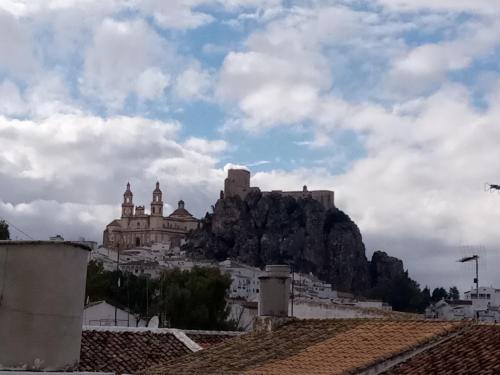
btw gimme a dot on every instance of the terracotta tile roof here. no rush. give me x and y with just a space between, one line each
335 346
127 351
209 338
475 351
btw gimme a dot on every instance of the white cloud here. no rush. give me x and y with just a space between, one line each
288 68
193 83
418 191
123 59
427 64
17 55
151 83
11 102
473 6
205 146
179 14
78 165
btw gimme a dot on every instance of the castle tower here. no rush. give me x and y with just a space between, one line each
128 204
237 183
157 203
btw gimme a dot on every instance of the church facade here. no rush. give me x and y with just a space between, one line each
135 228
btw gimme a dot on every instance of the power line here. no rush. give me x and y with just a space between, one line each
16 228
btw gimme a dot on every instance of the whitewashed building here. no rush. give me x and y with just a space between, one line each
487 297
101 313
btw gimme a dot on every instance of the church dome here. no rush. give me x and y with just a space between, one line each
181 211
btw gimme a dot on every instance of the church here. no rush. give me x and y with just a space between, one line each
136 228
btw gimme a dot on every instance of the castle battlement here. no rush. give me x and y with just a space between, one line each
237 183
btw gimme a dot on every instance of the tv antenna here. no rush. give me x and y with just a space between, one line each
492 187
476 279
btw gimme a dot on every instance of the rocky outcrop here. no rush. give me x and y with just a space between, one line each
275 229
384 268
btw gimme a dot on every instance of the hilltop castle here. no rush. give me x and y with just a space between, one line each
137 228
237 183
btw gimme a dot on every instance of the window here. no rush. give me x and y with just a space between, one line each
153 210
137 241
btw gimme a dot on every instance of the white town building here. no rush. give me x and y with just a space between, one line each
101 313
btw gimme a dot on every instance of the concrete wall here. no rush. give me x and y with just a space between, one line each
42 288
316 310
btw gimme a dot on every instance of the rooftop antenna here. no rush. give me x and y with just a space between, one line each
492 187
476 279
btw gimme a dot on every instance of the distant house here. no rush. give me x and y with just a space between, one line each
487 297
450 310
101 313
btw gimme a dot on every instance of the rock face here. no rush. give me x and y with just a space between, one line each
384 268
274 229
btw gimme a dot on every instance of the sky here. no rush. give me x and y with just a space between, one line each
393 104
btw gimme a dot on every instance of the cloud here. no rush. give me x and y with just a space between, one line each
125 58
11 102
205 146
193 83
17 57
180 14
418 192
151 83
471 6
426 65
83 162
288 69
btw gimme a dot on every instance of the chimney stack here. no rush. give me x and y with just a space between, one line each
274 296
42 291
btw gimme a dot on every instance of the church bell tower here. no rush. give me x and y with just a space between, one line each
128 204
157 203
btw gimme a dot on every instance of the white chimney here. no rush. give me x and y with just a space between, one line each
274 292
42 291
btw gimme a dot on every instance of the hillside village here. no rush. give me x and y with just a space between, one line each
249 187
276 303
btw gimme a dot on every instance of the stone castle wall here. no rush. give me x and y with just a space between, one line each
237 183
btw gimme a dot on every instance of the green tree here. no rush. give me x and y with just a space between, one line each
4 230
194 299
183 299
426 298
453 293
402 293
121 289
438 294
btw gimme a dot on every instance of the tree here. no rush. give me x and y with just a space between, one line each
120 289
4 230
453 293
426 298
194 299
402 293
438 294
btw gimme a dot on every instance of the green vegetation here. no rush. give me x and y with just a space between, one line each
182 299
404 294
4 230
